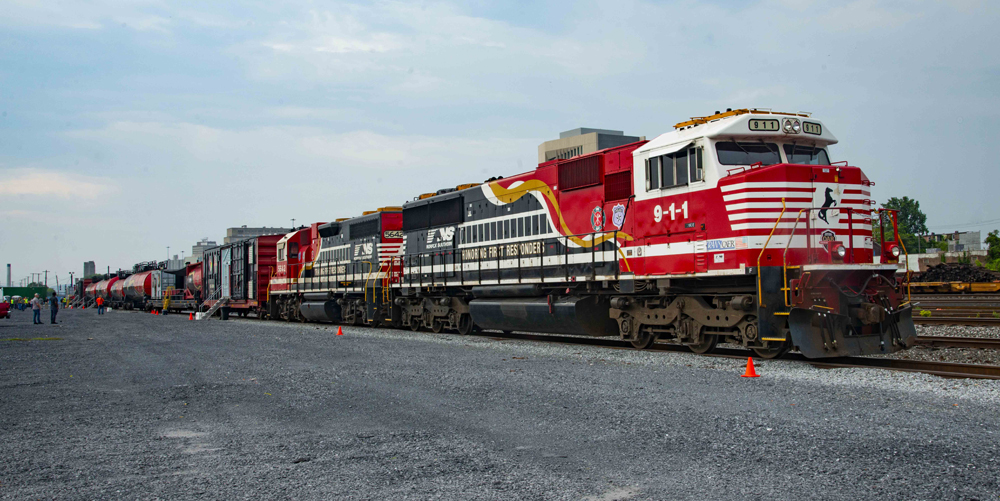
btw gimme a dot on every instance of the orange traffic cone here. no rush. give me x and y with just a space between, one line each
750 372
190 316
340 332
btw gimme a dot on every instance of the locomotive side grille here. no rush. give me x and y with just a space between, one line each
416 217
446 212
364 229
580 173
618 186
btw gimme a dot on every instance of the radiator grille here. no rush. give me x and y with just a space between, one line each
618 186
580 173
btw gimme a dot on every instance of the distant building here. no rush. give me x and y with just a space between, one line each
198 249
89 269
243 233
582 141
175 263
959 241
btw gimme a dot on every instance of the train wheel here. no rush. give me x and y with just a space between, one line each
415 324
642 340
707 344
773 350
437 326
465 324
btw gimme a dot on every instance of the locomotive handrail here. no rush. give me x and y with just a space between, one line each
784 255
776 221
906 254
408 262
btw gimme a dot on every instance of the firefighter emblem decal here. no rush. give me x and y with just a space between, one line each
597 219
618 215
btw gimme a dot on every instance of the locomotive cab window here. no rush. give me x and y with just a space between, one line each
806 155
675 169
747 153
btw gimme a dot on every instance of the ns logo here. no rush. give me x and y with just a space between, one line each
440 237
363 250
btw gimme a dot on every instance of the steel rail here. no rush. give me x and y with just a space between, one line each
967 321
943 369
984 343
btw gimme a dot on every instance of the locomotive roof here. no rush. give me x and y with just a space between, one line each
737 126
435 198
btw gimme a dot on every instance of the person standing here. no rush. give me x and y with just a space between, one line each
54 307
100 305
36 310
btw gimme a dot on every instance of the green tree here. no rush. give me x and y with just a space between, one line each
910 221
993 253
993 240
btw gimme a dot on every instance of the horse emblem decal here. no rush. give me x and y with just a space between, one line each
830 202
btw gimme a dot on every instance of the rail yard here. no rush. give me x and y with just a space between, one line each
165 407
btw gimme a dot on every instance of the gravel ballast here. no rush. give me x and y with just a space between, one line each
134 406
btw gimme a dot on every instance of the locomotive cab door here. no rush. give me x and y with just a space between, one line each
825 223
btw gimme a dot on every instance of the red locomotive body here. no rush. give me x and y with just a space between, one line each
345 273
733 227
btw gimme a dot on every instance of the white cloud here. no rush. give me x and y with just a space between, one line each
35 182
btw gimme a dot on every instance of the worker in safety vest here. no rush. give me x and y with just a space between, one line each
100 305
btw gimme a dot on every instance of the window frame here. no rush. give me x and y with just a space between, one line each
693 152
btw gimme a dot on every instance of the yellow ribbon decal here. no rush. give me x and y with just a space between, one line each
512 195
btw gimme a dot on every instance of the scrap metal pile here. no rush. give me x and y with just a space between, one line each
956 272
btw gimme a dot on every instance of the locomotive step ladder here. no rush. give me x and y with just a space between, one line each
215 307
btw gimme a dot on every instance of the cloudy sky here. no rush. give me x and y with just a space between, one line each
127 127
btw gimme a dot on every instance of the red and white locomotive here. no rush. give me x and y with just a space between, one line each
734 227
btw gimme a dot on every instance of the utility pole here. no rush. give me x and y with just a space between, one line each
168 253
46 279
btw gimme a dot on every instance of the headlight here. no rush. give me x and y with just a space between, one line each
894 250
841 251
788 125
796 125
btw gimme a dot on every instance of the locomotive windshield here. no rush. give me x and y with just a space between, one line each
740 153
806 155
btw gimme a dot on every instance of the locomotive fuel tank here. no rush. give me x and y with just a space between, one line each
563 315
320 311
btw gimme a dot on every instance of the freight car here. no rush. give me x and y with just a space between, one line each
239 274
181 290
734 227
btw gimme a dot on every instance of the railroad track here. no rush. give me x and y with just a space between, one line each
980 311
969 321
943 369
959 342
